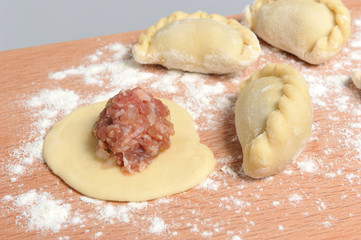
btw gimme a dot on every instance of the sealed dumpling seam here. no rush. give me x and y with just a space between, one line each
295 15
198 42
273 119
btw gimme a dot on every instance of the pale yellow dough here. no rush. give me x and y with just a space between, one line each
356 78
198 42
313 30
69 150
273 119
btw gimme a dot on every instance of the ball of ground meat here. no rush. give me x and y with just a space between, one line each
133 129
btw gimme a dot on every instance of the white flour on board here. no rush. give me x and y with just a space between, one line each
157 225
90 200
42 212
209 102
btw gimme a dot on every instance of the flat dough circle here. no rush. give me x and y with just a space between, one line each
69 150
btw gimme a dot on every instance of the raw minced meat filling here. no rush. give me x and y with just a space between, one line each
133 128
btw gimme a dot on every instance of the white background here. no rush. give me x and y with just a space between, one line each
26 23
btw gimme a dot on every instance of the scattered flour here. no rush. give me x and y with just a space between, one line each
157 225
17 169
228 170
321 205
207 234
326 224
123 213
42 211
356 78
109 213
209 102
76 220
209 184
194 228
308 166
50 103
7 198
164 200
330 175
98 234
295 198
350 177
64 238
288 171
90 200
357 22
235 238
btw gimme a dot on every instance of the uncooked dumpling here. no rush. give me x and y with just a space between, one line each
313 30
273 119
356 78
198 42
69 150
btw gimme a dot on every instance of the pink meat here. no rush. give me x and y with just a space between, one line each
133 127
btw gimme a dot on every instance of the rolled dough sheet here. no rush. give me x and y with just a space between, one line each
69 150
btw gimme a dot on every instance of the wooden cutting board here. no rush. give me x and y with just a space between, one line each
317 197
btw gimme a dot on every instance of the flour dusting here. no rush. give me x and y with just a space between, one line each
157 225
42 211
210 100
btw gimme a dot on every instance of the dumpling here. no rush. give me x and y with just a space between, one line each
313 30
356 78
273 119
198 42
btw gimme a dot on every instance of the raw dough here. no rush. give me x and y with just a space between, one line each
356 78
198 42
273 119
69 150
313 30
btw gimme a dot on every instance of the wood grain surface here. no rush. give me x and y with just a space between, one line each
295 204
